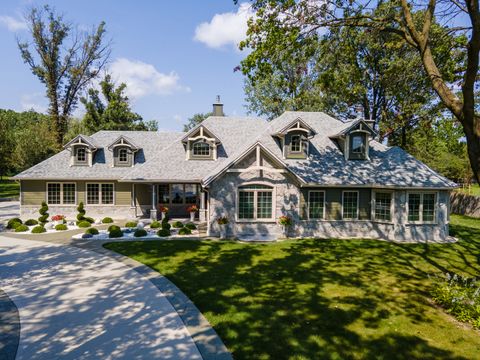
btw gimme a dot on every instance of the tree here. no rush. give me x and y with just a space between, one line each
195 120
115 113
414 25
64 69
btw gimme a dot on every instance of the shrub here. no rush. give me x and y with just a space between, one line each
87 236
131 224
43 219
113 227
38 229
31 222
191 226
184 231
163 232
460 296
83 224
285 220
89 219
61 227
223 220
13 223
115 233
155 225
166 226
81 211
140 233
178 224
91 231
21 228
107 220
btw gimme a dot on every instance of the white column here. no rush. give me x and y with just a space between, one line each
203 211
153 211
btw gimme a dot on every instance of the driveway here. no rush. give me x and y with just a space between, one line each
9 209
78 304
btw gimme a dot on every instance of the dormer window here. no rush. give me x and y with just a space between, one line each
82 150
123 155
200 144
358 144
123 149
294 139
81 155
296 144
201 149
353 141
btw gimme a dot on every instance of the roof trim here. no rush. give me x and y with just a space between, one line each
193 130
77 140
123 139
379 186
298 120
355 123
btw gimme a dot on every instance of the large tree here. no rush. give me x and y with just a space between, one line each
65 61
414 24
195 120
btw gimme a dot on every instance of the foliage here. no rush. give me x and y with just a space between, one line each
61 227
21 228
83 224
115 233
460 296
163 232
191 226
285 220
64 69
31 222
164 209
107 220
92 231
223 220
155 225
38 229
13 223
140 233
113 227
8 189
184 231
195 120
89 219
81 211
43 219
177 224
166 225
131 224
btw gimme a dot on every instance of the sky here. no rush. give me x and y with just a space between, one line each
174 56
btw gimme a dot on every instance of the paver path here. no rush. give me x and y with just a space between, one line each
78 304
9 209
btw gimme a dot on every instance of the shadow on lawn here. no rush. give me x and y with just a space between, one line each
307 299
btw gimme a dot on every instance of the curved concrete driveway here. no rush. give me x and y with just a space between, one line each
77 304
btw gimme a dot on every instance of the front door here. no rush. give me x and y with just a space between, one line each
178 197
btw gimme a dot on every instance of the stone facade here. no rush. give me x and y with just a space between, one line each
95 212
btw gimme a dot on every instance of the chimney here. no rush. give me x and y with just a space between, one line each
218 107
359 111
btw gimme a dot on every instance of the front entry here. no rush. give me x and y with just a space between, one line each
178 197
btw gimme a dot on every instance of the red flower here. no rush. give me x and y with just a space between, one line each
192 208
58 217
163 209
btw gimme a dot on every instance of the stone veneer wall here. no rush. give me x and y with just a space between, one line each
95 212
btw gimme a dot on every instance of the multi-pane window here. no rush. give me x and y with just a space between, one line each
316 204
350 205
81 155
61 193
123 155
190 193
100 194
163 194
255 202
296 143
177 194
358 144
201 149
383 202
422 207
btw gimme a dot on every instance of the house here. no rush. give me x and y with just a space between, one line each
331 177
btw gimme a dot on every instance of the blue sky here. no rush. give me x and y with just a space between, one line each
175 56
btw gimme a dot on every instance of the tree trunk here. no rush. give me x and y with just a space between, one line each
473 146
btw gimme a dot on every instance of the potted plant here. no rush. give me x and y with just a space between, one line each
192 209
285 222
163 211
223 221
58 219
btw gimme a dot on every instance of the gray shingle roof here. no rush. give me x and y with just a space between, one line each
162 156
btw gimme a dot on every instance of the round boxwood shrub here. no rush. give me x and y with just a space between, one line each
184 231
107 220
13 223
89 219
87 236
178 224
83 224
131 224
155 225
21 228
191 226
43 219
61 227
163 232
31 222
115 233
38 229
140 233
92 231
113 227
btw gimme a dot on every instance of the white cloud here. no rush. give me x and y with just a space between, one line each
144 79
35 101
12 24
225 29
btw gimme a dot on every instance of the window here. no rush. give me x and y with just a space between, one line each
61 193
177 194
81 155
358 144
255 202
350 205
316 204
201 149
164 194
296 143
383 203
191 194
123 155
422 207
100 194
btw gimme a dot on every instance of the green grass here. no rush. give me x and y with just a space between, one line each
9 189
472 190
323 299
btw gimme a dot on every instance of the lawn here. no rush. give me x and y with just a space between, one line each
323 299
9 189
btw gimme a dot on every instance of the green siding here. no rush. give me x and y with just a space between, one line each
123 193
32 192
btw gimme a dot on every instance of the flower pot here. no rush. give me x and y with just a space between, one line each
223 232
192 216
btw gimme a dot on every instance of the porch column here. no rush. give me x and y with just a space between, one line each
153 210
202 215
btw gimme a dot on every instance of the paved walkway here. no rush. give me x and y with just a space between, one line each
8 210
79 304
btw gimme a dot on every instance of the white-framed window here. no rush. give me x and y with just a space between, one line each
100 194
350 205
316 204
255 202
358 144
422 207
81 154
383 205
123 155
61 193
296 143
201 149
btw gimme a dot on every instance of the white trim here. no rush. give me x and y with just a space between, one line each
324 204
61 192
100 203
203 155
301 144
392 206
255 198
257 168
420 209
358 204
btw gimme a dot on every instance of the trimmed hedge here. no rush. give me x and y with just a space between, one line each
81 211
115 233
107 220
155 225
43 219
140 233
83 224
13 223
191 226
92 231
113 227
131 224
184 231
178 224
31 222
21 228
163 232
38 229
61 227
